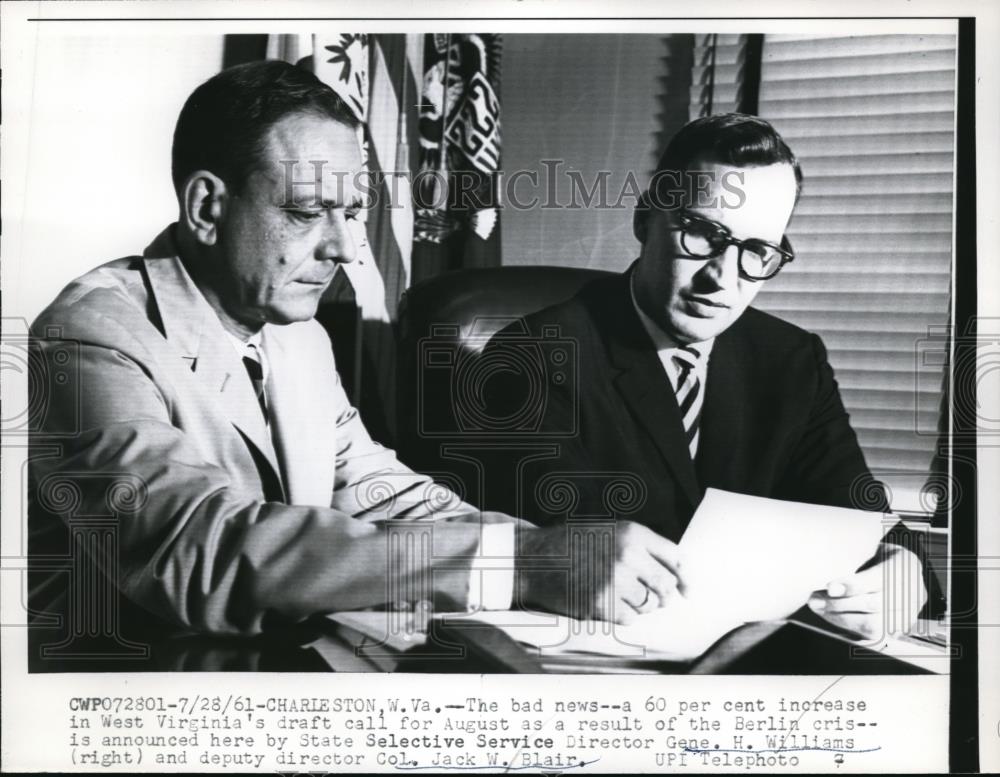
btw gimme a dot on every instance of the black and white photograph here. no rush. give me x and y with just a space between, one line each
497 394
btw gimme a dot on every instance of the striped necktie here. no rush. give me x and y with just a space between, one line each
253 362
689 393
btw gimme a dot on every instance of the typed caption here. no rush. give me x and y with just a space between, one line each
485 724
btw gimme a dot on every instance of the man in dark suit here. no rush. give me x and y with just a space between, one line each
682 386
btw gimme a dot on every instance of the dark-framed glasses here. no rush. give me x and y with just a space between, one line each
759 260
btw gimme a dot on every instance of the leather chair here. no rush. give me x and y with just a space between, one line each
444 323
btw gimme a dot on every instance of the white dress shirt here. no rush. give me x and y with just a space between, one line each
242 349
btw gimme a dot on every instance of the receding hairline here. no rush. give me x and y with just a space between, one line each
220 127
268 140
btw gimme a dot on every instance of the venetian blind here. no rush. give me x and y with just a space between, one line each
717 76
871 119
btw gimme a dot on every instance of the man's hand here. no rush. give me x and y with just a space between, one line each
881 600
614 574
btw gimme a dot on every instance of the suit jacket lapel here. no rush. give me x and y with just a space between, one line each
723 413
645 387
191 325
304 422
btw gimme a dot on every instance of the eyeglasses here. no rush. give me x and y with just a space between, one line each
706 239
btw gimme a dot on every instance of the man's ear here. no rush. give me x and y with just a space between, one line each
203 202
640 218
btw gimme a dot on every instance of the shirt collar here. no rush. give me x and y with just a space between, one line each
241 346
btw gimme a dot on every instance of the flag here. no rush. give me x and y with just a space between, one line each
456 223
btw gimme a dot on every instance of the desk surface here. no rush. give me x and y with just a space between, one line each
773 648
764 648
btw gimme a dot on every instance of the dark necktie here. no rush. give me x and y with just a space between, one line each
689 393
255 369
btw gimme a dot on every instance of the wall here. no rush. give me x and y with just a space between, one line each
598 102
93 136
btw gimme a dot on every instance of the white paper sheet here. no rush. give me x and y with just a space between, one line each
746 559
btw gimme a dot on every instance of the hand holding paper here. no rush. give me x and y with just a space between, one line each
888 594
641 574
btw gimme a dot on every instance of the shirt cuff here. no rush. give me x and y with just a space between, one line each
491 576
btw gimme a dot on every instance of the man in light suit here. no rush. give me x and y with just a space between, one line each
204 420
684 385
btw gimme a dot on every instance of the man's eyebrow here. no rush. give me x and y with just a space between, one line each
356 203
706 219
728 231
308 201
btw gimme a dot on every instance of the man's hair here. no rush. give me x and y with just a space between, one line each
223 125
735 139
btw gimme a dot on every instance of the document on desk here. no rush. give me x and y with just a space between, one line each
746 559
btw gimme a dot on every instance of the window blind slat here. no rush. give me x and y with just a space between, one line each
888 361
895 418
890 103
821 321
880 380
905 183
873 341
779 48
858 224
881 399
868 265
855 302
904 257
884 455
938 203
875 64
839 243
890 440
887 124
859 85
893 459
859 145
887 164
860 283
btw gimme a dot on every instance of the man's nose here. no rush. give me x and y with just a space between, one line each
339 243
724 269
